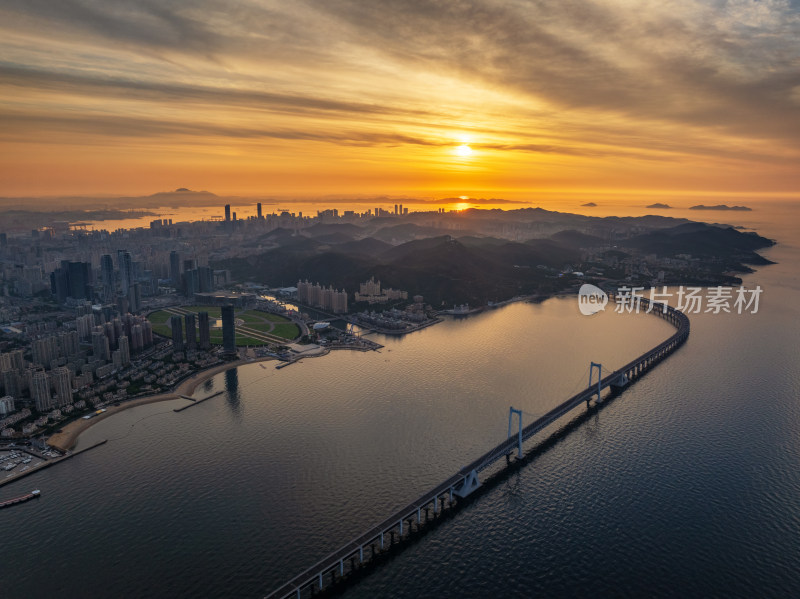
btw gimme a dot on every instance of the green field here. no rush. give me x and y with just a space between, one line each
264 322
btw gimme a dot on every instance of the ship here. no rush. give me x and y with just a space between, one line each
32 495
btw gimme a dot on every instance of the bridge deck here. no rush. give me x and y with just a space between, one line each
331 561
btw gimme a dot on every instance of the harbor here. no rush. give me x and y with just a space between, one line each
47 463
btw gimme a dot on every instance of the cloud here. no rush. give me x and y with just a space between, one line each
601 82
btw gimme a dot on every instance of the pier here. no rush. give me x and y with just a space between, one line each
431 505
195 401
48 463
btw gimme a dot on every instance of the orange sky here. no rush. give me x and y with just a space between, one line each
299 98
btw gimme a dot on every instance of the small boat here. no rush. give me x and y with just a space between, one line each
32 495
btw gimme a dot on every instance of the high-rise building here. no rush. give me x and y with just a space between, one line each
227 213
100 347
258 211
191 332
135 298
107 276
205 276
71 279
6 405
175 268
62 382
11 383
125 261
125 350
137 338
205 331
176 324
191 282
40 391
228 330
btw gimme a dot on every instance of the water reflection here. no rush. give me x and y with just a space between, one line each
232 390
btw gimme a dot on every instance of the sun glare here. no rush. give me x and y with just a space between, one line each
463 150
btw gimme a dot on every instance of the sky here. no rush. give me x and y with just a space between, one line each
512 98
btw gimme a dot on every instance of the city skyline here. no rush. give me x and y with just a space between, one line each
407 98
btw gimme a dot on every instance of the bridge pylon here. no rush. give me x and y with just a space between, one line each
592 366
511 412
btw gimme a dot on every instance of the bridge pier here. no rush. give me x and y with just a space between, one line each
470 483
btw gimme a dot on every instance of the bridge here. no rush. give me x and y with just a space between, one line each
434 503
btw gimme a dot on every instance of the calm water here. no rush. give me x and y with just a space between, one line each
687 484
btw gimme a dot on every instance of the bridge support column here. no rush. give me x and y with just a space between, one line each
341 567
470 483
320 580
401 527
451 496
381 540
435 504
361 554
511 412
419 518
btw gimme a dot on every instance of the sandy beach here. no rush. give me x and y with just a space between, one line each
69 434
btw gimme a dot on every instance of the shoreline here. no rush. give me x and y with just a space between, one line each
66 439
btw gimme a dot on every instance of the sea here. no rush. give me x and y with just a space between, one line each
687 484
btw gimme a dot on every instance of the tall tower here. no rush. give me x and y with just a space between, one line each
125 350
191 332
258 211
175 268
228 331
227 213
205 331
107 276
176 324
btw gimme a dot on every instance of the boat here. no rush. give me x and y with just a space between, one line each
32 495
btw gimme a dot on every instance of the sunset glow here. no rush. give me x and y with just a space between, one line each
281 98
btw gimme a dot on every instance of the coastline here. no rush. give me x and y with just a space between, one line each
66 439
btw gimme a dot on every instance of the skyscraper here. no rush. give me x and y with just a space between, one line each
125 350
258 211
205 331
100 347
125 270
62 381
176 324
175 268
107 276
40 390
227 213
228 331
191 332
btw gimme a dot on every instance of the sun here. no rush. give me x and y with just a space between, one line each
463 150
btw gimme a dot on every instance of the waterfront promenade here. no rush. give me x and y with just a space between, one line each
66 439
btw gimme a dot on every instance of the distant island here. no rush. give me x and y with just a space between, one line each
721 207
659 206
589 205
